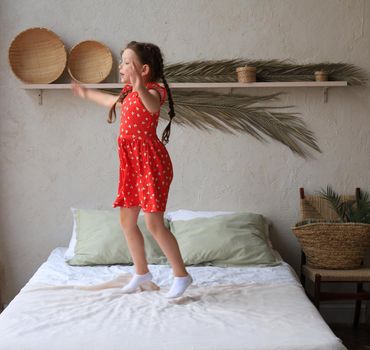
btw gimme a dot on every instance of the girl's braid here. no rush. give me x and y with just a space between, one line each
171 113
112 112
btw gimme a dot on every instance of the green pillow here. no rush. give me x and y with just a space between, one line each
101 241
225 240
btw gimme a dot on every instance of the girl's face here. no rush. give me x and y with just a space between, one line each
128 56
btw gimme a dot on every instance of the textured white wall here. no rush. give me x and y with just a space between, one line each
63 153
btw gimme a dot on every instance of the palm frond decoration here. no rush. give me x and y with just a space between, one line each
229 113
266 70
239 113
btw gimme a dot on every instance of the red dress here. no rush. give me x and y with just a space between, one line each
146 169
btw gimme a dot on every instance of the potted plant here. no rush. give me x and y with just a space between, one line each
339 243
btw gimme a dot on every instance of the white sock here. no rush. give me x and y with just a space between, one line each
178 286
136 281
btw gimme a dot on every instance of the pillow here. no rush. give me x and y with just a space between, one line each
101 241
183 214
236 239
70 252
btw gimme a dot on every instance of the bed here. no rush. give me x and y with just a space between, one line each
226 308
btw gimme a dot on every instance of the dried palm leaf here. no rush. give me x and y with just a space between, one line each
267 70
228 113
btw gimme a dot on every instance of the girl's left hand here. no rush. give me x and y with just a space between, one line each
135 76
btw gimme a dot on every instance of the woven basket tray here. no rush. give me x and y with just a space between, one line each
334 245
90 62
37 56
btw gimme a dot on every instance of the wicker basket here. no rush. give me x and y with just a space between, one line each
321 75
37 56
246 74
90 62
330 245
334 245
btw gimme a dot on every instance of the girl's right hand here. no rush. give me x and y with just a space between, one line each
78 89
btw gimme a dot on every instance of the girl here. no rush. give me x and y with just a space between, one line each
145 165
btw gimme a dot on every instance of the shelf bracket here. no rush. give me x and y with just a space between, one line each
326 90
40 96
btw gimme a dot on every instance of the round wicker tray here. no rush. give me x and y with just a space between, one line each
37 56
90 62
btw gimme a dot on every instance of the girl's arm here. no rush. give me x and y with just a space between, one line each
101 98
150 98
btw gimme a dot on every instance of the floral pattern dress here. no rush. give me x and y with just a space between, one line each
146 171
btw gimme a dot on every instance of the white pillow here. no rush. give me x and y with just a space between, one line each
183 214
70 252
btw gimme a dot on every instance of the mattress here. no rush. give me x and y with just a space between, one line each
233 308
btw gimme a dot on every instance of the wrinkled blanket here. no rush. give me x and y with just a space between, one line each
223 317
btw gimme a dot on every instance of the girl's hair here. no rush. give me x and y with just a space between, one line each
151 55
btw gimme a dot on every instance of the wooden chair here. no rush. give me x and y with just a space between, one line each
318 208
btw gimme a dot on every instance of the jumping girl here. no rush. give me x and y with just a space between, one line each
145 166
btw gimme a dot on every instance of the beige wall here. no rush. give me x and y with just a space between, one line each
63 153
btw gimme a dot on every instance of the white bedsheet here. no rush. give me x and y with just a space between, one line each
56 271
68 307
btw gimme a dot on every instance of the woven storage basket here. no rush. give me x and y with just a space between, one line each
37 56
329 245
90 62
334 245
246 74
321 75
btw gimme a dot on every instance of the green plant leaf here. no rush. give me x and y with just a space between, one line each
350 210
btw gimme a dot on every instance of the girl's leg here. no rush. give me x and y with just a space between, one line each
167 242
134 238
135 242
170 248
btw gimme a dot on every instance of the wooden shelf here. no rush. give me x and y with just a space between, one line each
200 85
233 85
